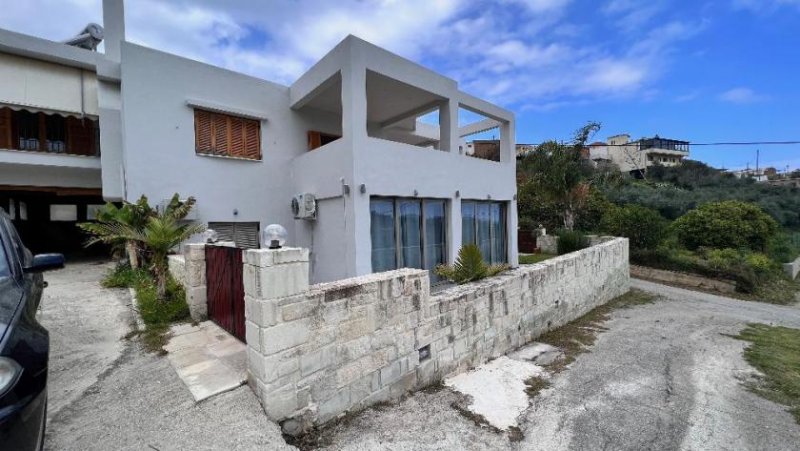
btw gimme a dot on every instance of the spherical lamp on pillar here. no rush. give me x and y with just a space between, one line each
273 236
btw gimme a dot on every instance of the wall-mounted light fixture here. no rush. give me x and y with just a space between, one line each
274 235
236 212
416 193
362 188
458 194
489 196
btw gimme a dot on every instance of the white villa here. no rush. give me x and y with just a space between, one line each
380 188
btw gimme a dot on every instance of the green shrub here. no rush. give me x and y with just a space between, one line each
571 241
783 248
469 266
728 224
123 276
155 312
644 227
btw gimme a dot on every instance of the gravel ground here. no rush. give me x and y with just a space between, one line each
106 393
664 376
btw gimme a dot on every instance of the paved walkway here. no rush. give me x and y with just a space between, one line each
208 360
108 394
664 376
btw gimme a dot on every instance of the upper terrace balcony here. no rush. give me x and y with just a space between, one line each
361 94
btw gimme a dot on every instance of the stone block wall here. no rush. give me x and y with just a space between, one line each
317 352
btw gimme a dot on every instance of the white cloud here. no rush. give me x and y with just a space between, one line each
517 52
741 95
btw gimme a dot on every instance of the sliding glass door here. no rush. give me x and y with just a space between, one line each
483 224
408 233
382 230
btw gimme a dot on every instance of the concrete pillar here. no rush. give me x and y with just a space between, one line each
448 126
271 277
194 255
113 28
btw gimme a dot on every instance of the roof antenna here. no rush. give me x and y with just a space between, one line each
89 38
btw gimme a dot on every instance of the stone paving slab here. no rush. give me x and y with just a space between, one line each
208 360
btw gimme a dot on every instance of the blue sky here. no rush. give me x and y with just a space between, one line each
703 71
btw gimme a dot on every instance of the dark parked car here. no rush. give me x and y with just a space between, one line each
24 343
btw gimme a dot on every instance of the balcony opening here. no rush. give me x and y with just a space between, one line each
49 133
479 135
402 113
323 114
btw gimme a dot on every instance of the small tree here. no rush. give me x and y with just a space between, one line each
560 174
728 224
469 266
133 215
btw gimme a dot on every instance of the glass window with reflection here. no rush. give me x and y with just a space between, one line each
483 224
408 233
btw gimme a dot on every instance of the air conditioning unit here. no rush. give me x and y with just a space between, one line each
304 206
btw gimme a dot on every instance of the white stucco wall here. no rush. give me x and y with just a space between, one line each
159 141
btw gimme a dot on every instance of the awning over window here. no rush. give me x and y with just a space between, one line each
47 87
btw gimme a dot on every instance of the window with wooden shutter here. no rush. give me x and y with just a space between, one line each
225 135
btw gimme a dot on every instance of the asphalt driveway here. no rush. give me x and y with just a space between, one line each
663 376
106 393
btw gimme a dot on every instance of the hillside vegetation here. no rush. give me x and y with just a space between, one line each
691 218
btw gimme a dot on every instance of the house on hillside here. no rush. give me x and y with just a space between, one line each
380 188
636 156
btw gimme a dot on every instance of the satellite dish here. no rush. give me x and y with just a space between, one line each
89 38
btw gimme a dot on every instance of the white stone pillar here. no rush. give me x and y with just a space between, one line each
271 276
448 126
194 255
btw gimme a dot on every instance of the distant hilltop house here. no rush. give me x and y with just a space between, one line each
636 156
630 156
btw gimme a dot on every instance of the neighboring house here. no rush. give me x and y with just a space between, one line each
390 190
637 156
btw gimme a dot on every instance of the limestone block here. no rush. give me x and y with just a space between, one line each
334 406
317 360
284 336
297 310
390 374
281 280
279 403
289 255
263 312
195 273
258 257
252 334
194 252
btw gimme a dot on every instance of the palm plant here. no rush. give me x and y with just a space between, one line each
469 266
133 215
147 231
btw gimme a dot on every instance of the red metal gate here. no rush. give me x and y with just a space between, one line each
225 288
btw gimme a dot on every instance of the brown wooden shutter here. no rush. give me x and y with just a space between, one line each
80 136
237 137
225 135
5 129
203 132
314 140
221 135
252 139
